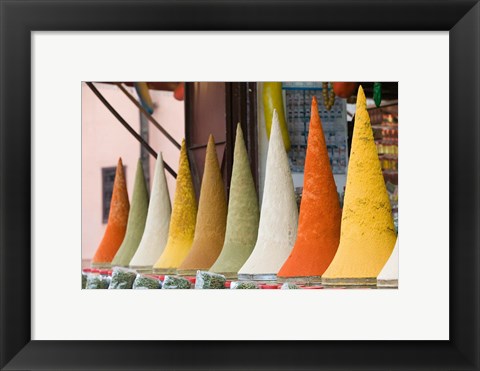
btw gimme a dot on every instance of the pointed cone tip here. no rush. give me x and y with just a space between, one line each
361 99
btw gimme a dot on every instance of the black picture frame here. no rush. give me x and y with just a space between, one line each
19 18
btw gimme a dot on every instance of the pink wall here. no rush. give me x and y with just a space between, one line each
104 140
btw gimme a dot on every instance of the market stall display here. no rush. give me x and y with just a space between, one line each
278 217
157 224
367 231
136 220
182 222
211 218
243 215
318 232
117 221
388 277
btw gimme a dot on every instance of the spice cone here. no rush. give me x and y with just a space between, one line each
117 221
367 233
158 220
388 277
279 214
136 220
320 215
211 218
182 223
243 214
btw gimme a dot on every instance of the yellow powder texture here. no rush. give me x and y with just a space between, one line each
367 233
211 218
183 219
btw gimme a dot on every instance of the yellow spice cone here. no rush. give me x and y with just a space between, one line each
211 219
182 222
155 234
277 230
367 233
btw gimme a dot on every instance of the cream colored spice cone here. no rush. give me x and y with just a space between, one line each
158 221
182 222
367 234
136 220
279 214
211 218
243 214
388 277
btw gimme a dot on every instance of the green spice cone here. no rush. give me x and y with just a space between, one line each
243 215
156 228
136 220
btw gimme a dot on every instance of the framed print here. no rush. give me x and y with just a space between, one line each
82 80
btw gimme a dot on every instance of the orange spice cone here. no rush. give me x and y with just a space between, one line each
318 232
136 220
182 222
211 218
277 229
117 221
367 233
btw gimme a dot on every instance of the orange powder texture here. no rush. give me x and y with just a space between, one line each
320 215
211 218
117 220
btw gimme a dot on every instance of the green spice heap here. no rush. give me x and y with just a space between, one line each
290 286
143 282
176 282
96 281
208 280
84 280
243 285
122 278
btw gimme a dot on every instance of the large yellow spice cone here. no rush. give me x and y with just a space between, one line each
158 220
182 222
243 214
320 215
388 277
136 220
211 218
117 221
278 217
367 233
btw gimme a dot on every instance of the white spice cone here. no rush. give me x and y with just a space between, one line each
278 217
155 235
388 277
